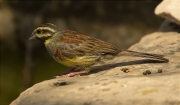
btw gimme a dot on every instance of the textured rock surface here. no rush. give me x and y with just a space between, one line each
169 9
109 85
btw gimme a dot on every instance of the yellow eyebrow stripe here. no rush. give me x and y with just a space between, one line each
45 28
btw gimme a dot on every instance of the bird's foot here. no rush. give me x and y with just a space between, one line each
72 73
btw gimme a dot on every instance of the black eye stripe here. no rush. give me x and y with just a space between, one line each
43 38
38 31
43 31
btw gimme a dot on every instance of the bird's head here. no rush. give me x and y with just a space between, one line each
44 32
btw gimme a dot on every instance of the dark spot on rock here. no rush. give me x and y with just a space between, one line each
126 70
106 89
172 52
178 50
159 70
62 83
105 84
87 103
178 65
103 79
144 73
36 91
96 83
147 72
81 88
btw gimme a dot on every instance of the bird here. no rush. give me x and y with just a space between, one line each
79 51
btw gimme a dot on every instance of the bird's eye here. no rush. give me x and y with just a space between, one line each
38 32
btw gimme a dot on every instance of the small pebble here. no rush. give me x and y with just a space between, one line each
60 83
126 70
147 72
159 70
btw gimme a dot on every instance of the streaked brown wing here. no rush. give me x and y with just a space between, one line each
74 44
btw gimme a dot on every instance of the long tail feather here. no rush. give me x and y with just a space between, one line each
146 55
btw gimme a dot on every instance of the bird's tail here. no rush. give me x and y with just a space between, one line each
146 55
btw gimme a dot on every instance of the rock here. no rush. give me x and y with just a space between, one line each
169 9
110 85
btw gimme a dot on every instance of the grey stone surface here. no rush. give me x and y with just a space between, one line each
169 9
109 85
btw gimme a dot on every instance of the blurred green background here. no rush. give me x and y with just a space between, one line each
25 63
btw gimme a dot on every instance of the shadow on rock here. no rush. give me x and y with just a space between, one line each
96 69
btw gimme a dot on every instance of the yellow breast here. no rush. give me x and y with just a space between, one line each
82 61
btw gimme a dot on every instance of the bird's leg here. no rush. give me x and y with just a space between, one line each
73 72
69 71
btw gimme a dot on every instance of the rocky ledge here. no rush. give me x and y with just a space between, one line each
122 81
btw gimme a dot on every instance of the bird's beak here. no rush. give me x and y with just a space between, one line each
32 37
